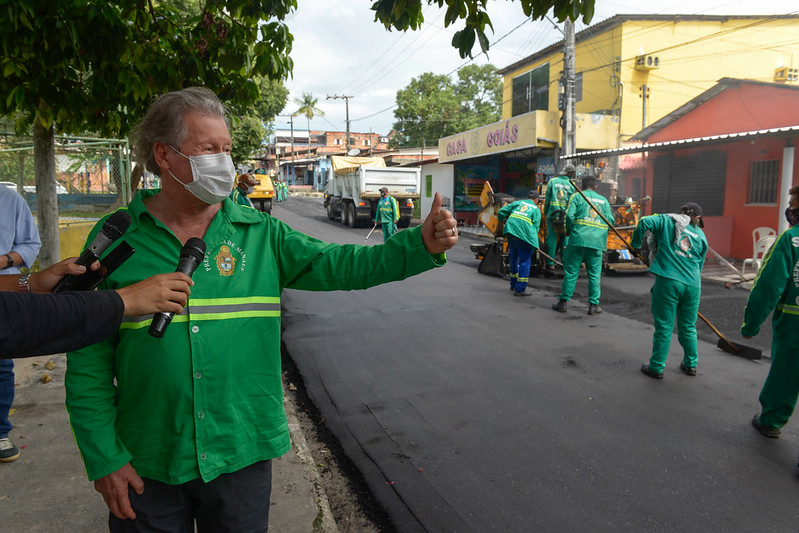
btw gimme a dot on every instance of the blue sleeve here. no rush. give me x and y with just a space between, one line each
26 240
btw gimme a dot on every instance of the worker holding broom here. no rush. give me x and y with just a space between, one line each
679 247
777 287
587 240
387 213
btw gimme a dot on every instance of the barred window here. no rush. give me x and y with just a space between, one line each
764 179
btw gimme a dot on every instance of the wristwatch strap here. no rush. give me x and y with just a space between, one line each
10 260
22 284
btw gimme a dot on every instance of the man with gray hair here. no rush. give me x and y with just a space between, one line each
181 429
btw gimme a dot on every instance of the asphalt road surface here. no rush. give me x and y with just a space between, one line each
469 410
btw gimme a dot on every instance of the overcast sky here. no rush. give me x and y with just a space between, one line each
340 50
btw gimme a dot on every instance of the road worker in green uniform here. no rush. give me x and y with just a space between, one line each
387 213
559 190
284 190
587 239
521 220
159 421
679 246
246 186
777 288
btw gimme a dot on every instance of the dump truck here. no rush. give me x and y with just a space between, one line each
263 193
353 189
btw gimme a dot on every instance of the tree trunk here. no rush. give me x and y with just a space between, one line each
46 197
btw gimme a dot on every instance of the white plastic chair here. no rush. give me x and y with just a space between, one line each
759 233
761 248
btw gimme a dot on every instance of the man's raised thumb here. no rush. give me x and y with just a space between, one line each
436 207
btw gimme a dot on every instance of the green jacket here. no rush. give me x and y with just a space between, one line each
776 286
240 197
583 225
681 260
523 218
387 210
206 398
559 190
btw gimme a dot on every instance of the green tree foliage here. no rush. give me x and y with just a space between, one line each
479 91
407 14
426 110
433 106
248 134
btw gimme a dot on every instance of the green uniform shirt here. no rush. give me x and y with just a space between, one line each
681 261
559 190
387 210
776 285
522 219
206 399
240 197
583 225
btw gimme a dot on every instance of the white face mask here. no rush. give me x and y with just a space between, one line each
214 175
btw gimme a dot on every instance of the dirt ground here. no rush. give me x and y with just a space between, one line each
353 507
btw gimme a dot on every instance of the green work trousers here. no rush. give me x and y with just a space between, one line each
573 257
389 229
673 299
781 389
552 244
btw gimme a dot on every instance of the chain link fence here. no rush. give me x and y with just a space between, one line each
92 179
92 175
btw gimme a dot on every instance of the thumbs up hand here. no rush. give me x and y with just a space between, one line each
439 232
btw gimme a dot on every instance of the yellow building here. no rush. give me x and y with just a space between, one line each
672 57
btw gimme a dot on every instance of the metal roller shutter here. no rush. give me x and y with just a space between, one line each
694 178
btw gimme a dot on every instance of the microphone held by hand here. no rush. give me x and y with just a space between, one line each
190 258
112 229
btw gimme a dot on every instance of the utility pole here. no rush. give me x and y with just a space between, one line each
291 121
568 119
644 96
347 106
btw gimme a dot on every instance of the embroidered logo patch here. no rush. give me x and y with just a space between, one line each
225 261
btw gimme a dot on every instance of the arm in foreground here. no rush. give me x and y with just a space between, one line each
772 278
39 324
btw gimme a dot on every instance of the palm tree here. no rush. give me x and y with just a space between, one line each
308 108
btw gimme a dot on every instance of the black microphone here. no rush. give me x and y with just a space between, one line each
190 258
112 229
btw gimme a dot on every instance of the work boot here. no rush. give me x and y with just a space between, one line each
770 432
594 309
8 452
523 293
560 307
651 373
689 370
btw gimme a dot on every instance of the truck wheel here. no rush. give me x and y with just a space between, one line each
344 214
404 222
331 213
351 220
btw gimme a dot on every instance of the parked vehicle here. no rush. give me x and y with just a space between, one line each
353 189
263 193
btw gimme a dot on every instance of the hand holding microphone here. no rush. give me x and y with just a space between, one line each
112 229
190 258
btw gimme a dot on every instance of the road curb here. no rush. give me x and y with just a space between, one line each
324 522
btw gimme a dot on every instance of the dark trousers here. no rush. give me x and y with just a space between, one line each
232 503
6 394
